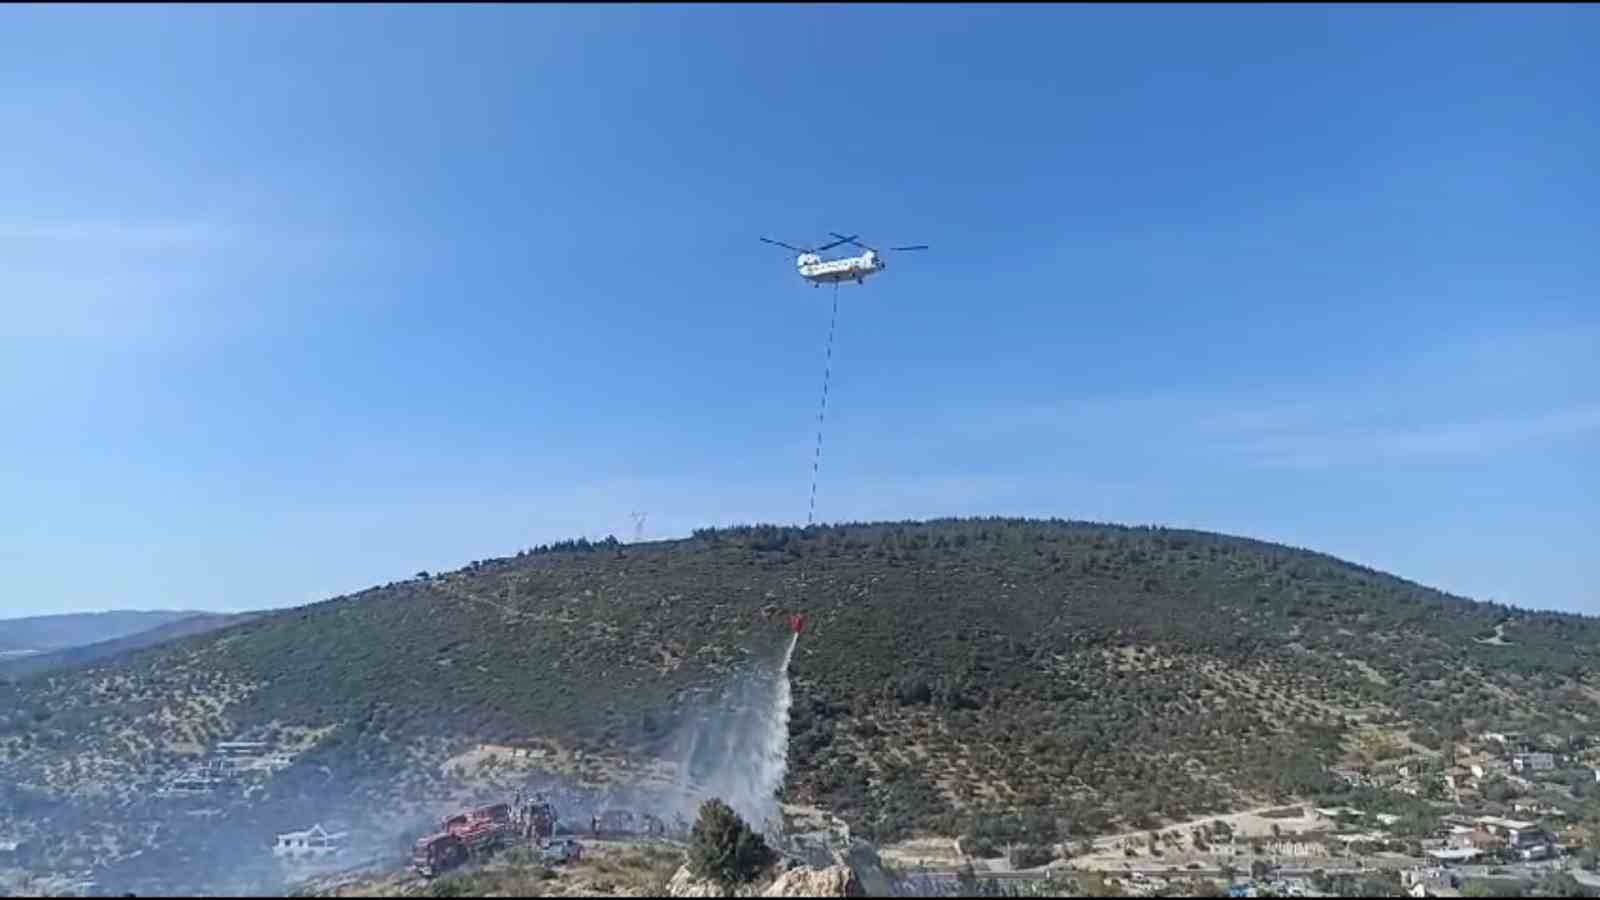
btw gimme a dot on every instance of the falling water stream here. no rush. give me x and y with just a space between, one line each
737 750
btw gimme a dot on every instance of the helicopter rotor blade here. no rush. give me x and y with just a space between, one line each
785 246
841 240
912 247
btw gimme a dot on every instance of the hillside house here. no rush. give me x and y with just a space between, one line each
242 749
1503 828
1533 762
1351 777
1434 878
1448 857
313 842
196 782
1471 839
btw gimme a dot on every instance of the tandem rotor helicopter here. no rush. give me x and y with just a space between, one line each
818 271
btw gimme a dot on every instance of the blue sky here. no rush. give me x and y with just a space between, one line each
298 300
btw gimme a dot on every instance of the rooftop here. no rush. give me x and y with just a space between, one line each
1497 822
1463 854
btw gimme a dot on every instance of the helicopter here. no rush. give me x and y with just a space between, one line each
818 271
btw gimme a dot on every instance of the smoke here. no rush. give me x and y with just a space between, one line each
732 745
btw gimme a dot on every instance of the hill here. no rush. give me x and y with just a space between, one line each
1004 679
43 633
50 660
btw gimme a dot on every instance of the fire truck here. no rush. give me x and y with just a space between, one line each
470 835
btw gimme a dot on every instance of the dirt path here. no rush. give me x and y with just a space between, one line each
1246 824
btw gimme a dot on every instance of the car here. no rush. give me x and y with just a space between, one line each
561 850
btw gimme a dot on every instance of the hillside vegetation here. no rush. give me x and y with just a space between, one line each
1058 678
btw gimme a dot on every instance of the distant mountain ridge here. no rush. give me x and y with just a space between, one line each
59 632
37 662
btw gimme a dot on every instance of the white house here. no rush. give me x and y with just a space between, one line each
1536 762
313 842
1463 854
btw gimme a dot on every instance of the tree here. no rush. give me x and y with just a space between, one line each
722 847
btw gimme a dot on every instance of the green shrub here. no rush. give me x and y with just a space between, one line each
723 847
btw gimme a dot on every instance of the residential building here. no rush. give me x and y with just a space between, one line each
1471 838
1533 762
313 842
1461 855
1502 827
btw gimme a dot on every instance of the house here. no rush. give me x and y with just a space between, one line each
313 842
198 781
1470 838
1533 762
1526 841
1534 852
242 748
1502 827
1349 776
1433 879
1462 855
1476 770
1418 890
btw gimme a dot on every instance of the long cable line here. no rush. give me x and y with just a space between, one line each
822 413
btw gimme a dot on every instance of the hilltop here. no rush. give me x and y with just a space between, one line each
1001 679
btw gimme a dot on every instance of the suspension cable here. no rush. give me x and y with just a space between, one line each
822 412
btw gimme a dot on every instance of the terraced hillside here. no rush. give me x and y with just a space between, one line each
1060 678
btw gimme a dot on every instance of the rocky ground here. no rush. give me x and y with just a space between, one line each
607 869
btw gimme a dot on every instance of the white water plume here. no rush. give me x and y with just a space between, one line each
738 751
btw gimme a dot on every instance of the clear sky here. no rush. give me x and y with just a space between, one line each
296 300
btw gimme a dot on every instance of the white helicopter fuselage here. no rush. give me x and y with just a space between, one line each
818 271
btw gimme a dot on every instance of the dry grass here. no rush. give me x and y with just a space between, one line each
604 871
